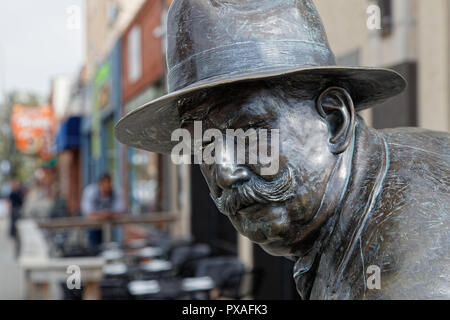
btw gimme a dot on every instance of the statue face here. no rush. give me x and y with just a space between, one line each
277 211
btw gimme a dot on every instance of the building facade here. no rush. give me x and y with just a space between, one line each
413 40
125 69
100 151
106 20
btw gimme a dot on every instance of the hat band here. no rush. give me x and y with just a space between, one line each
248 57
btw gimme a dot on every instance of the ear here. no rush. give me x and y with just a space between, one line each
336 107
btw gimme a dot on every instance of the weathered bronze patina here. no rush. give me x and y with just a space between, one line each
346 196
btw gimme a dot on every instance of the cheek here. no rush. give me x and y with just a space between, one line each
303 138
304 144
311 184
305 149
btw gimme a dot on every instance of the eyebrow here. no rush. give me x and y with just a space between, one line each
196 114
206 104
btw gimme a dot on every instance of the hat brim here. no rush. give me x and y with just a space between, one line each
150 126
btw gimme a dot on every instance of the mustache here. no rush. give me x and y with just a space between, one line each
256 191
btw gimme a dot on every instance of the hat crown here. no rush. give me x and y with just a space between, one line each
212 38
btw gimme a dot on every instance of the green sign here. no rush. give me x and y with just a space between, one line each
100 82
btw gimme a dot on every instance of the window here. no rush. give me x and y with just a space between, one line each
386 17
112 12
143 181
134 54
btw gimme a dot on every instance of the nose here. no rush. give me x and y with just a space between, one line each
230 174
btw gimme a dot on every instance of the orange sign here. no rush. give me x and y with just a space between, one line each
33 129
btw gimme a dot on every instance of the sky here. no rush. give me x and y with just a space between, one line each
39 40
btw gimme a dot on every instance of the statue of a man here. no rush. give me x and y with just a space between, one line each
364 213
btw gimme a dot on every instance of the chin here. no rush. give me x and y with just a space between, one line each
273 246
276 248
268 228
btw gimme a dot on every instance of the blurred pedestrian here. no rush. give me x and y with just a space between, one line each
100 202
16 197
16 201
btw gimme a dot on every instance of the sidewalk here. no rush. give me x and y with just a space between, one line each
11 276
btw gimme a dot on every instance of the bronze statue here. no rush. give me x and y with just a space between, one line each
347 199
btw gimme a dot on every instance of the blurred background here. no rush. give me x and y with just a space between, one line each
130 223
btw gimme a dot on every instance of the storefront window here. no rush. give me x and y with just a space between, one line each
143 175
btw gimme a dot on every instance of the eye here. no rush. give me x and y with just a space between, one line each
251 124
208 141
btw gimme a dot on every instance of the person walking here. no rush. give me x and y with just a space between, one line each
15 201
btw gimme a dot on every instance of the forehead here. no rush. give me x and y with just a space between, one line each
259 99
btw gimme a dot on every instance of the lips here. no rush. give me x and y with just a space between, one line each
261 223
250 209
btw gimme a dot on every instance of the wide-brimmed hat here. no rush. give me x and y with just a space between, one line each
214 43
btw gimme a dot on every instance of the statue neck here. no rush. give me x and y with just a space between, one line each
369 168
355 180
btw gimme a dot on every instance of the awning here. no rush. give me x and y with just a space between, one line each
69 135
